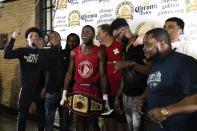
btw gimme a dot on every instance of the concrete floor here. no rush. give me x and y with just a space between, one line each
8 122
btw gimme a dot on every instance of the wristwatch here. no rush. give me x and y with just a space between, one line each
165 112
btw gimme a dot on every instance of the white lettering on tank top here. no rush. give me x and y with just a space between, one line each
85 69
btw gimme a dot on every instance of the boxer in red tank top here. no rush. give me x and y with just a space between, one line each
86 72
87 66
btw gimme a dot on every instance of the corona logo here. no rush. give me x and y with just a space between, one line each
88 17
125 10
144 10
74 18
191 5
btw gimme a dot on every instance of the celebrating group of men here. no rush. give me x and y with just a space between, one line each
127 79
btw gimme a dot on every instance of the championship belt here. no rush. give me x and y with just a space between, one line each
84 104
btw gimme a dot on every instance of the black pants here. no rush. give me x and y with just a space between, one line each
86 123
26 98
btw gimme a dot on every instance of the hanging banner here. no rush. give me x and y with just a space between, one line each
142 15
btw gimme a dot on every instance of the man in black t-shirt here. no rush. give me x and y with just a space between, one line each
172 84
134 72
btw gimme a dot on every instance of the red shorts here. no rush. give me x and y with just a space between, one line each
83 89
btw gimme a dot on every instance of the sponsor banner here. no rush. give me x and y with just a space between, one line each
142 15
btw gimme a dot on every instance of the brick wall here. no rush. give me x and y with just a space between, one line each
12 15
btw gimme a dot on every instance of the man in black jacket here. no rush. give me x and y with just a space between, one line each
54 62
31 75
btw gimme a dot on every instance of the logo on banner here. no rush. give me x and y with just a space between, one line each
144 10
125 10
88 17
61 4
143 27
85 69
74 18
73 2
191 5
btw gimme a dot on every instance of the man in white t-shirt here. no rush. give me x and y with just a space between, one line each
175 26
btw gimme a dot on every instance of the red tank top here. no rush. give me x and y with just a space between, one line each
113 53
86 72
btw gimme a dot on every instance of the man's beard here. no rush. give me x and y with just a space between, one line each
154 57
125 41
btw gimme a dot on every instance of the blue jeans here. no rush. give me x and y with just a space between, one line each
133 117
52 102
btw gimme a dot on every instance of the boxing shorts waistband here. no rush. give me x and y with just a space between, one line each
95 84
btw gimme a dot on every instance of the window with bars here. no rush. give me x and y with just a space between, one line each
47 13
